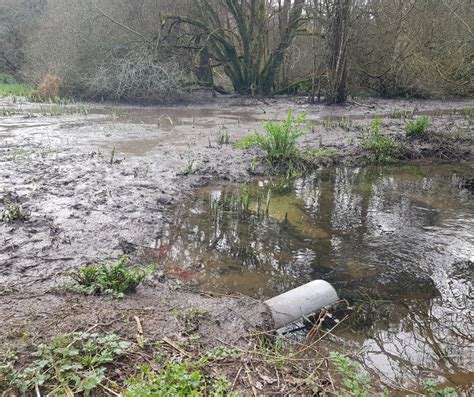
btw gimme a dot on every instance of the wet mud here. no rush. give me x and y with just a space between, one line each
106 181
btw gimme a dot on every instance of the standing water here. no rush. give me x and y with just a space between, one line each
397 243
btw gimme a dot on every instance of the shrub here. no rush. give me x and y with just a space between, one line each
115 279
50 87
381 149
418 127
279 138
139 76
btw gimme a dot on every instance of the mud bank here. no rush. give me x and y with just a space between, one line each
103 182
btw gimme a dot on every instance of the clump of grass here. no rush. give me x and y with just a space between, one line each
418 127
279 138
400 114
381 149
176 379
13 212
71 364
103 279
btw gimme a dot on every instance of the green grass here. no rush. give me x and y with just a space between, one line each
278 140
104 279
418 127
8 86
380 149
71 364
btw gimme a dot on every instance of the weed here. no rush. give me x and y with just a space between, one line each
279 138
400 114
191 316
224 139
70 364
13 212
175 379
115 280
418 127
355 382
327 124
468 114
381 149
313 154
430 387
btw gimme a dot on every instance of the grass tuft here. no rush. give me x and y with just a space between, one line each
381 149
418 127
279 139
103 279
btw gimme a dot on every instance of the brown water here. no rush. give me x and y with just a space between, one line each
396 242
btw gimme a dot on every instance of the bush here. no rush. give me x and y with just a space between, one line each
381 149
418 127
115 279
50 87
139 76
279 138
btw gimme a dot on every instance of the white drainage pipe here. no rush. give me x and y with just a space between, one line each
301 301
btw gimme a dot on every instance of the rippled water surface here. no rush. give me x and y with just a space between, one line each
397 243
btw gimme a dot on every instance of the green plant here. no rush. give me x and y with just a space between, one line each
224 139
116 279
13 212
70 364
381 149
177 380
9 86
355 382
418 127
279 138
400 114
430 387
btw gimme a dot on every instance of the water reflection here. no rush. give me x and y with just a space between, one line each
403 234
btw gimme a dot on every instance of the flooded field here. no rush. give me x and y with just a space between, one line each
396 242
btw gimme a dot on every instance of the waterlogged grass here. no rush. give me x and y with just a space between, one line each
105 279
381 150
278 140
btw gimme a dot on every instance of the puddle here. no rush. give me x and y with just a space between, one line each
397 241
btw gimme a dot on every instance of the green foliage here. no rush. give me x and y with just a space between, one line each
115 280
9 86
177 380
430 387
418 127
13 212
356 383
279 138
381 149
70 364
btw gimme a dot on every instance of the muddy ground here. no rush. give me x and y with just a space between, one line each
102 181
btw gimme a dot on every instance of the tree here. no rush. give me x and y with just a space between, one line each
240 36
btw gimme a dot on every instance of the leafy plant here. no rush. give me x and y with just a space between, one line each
356 382
430 387
418 127
116 279
13 212
381 149
175 379
70 364
279 138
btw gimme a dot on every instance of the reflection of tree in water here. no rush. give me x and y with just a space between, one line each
396 233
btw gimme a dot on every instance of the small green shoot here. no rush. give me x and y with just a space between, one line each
13 212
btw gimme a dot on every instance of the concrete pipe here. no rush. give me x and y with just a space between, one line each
301 301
